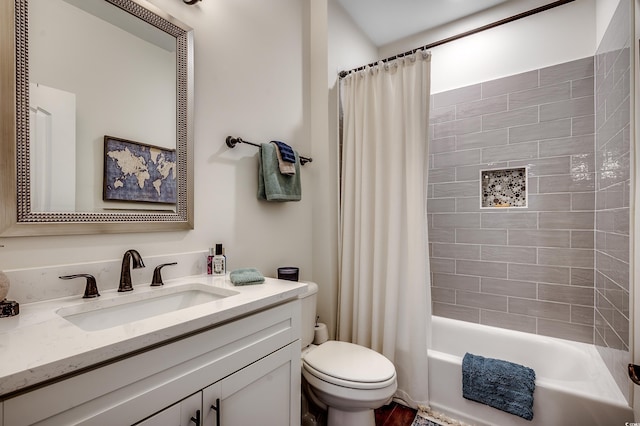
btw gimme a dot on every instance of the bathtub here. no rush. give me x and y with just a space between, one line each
573 385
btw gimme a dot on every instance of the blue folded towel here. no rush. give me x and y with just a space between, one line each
500 384
286 152
246 276
273 185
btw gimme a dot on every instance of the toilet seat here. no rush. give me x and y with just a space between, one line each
349 365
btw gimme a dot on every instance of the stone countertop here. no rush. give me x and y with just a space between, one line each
39 345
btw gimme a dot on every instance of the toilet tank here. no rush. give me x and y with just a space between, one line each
308 301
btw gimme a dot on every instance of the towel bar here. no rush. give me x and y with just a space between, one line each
231 143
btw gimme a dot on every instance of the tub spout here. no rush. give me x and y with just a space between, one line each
125 271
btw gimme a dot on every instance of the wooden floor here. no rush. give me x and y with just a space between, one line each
394 415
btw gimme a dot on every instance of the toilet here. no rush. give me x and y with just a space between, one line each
348 379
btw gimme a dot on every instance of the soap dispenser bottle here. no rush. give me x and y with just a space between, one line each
210 261
219 261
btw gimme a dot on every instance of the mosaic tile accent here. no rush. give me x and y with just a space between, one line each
504 187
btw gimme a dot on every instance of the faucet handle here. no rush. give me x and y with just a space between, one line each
157 277
90 290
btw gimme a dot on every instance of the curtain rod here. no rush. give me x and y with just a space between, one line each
343 74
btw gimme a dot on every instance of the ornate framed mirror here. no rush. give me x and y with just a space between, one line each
117 69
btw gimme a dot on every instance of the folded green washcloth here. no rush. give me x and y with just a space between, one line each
246 276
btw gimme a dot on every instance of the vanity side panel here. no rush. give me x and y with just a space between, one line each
131 389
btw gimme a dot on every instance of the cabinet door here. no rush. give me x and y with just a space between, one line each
266 392
187 412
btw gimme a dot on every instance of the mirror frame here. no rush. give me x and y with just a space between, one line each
16 217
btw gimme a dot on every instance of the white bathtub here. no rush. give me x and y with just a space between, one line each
573 385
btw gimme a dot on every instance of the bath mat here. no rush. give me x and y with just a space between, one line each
428 417
421 421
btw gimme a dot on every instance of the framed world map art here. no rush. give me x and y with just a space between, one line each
135 171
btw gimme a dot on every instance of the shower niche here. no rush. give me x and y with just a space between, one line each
503 188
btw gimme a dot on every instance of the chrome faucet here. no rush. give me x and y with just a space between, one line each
125 271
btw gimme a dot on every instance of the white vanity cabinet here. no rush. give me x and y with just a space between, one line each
249 368
181 413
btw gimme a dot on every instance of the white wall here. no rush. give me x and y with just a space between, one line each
349 47
250 77
555 36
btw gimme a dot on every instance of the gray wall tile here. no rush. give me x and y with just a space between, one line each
583 201
481 236
582 277
514 83
481 269
461 313
483 139
582 240
456 282
582 87
442 205
457 127
442 235
576 107
442 175
540 131
566 294
456 96
484 106
456 189
582 125
545 166
549 202
567 146
545 274
444 295
482 301
508 254
468 204
517 117
566 220
540 309
540 95
524 289
509 220
457 251
446 144
509 321
458 158
458 220
574 70
445 266
511 152
539 238
582 315
564 330
566 183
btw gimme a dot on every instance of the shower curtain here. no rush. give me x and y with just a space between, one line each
384 289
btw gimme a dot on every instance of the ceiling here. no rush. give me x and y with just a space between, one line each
385 21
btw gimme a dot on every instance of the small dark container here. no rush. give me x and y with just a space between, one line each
289 273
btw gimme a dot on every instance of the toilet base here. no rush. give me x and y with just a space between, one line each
338 417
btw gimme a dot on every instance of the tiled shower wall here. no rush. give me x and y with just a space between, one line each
613 103
528 269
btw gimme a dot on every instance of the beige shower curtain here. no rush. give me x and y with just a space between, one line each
384 296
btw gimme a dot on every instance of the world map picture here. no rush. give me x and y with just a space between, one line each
138 172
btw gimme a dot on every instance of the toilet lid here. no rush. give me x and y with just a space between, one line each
350 362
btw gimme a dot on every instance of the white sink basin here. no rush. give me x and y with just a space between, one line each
122 309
